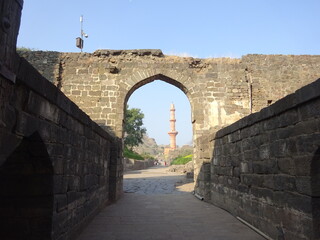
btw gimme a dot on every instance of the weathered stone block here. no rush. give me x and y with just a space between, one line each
60 184
310 110
234 137
251 155
61 202
284 133
278 149
252 179
74 183
244 167
39 106
60 224
302 165
304 185
271 124
286 166
308 143
26 124
76 92
284 183
306 127
265 167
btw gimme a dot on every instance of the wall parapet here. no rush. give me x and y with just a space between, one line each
265 167
132 52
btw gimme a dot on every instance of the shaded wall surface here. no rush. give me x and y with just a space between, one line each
266 167
58 168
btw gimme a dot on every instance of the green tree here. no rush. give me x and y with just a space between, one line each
133 127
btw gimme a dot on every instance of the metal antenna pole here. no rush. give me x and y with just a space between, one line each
81 30
79 40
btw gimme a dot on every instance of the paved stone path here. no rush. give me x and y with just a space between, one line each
158 205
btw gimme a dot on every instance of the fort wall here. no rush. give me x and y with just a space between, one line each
220 90
265 167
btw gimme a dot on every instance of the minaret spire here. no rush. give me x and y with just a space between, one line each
173 133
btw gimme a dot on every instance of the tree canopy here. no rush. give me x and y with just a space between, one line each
133 127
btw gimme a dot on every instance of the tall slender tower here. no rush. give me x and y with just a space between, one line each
173 133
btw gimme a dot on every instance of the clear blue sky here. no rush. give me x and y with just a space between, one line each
199 28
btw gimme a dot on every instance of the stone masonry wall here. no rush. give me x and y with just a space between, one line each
266 167
220 91
133 164
58 168
275 76
51 152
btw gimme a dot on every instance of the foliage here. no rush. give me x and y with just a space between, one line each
147 156
185 150
131 154
182 160
25 49
133 127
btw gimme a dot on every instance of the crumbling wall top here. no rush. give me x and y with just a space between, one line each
133 52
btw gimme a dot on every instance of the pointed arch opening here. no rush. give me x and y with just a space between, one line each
157 111
157 77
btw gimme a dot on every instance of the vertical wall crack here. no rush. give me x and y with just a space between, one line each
60 72
248 78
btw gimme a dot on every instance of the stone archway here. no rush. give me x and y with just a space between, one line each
221 91
180 85
165 91
136 80
101 83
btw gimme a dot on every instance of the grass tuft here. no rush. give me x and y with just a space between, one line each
131 154
182 160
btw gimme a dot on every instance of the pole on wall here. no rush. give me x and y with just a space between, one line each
79 40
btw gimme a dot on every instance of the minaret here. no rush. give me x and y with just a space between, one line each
173 133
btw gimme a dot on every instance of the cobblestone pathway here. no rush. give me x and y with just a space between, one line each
156 181
158 205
